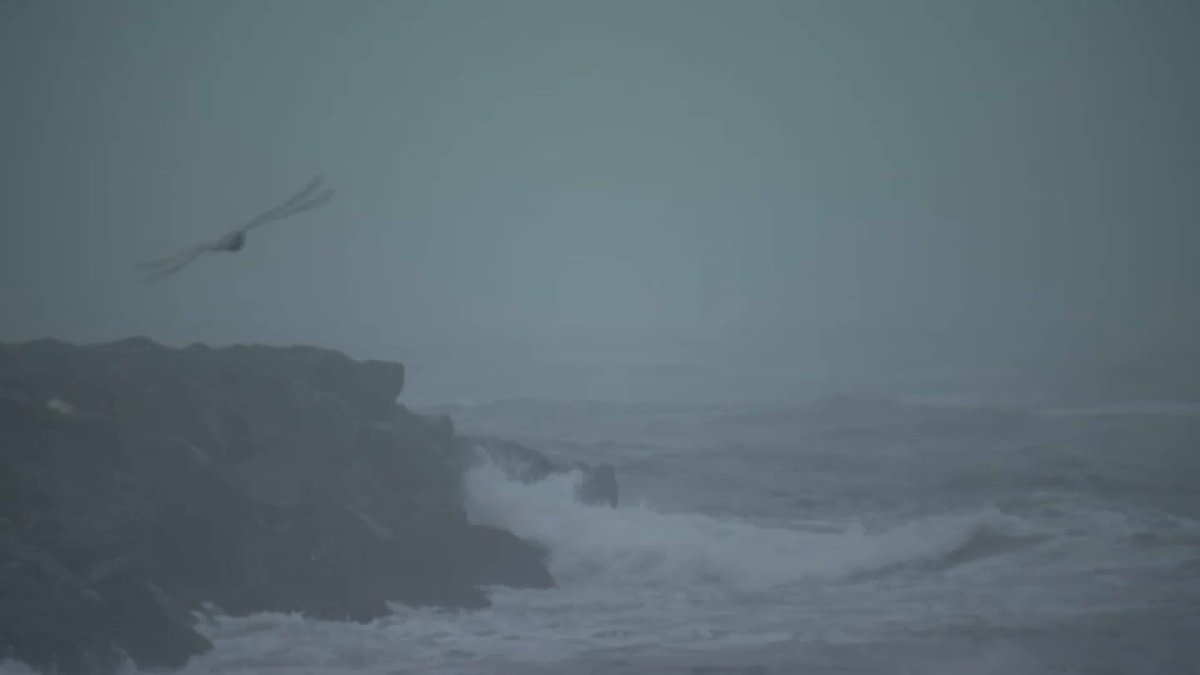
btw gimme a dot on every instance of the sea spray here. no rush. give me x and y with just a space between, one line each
638 545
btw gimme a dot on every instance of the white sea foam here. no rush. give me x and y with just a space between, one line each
637 545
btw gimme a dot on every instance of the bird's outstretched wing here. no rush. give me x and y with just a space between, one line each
158 269
307 198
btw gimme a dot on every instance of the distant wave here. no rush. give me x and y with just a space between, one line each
1164 408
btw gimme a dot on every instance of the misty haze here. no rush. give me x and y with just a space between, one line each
610 337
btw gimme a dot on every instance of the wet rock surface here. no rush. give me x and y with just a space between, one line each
596 484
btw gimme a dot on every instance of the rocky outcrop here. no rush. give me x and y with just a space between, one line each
138 482
596 485
599 485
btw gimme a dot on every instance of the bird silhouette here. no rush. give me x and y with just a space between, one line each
307 198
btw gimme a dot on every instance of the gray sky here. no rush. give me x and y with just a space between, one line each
928 172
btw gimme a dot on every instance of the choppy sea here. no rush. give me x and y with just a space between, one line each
929 529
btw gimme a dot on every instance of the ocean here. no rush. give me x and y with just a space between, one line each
775 523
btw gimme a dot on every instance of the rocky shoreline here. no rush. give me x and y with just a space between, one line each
141 483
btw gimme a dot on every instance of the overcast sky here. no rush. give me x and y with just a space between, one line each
564 170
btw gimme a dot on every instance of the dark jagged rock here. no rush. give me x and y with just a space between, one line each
50 617
154 629
516 460
597 483
138 482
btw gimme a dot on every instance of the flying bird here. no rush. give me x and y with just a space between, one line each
308 198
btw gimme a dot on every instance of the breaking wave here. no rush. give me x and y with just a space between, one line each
640 545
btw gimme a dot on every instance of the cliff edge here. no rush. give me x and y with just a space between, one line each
139 483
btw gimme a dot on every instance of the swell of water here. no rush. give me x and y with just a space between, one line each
864 531
637 545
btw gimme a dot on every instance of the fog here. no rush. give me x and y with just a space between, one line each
737 336
849 181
